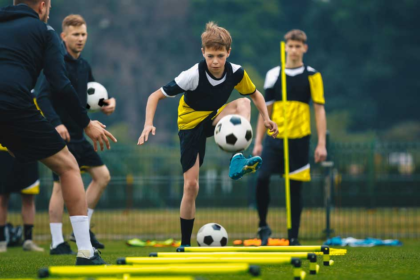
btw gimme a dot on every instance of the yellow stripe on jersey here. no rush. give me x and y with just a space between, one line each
298 117
39 109
317 88
303 174
33 189
188 118
3 148
246 86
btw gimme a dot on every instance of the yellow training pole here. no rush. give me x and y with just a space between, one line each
172 269
202 260
127 277
286 134
230 255
254 249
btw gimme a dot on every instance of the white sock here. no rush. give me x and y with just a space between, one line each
56 234
80 226
90 213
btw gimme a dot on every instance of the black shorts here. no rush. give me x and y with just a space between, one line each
273 158
28 135
193 142
16 177
85 156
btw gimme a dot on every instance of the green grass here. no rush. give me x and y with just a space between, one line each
360 263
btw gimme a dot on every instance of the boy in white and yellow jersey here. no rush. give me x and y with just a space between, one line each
304 84
207 87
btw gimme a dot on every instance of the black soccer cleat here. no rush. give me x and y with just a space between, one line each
294 242
95 260
95 242
264 233
62 249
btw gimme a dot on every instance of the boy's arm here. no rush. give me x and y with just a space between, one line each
259 102
152 103
259 137
321 127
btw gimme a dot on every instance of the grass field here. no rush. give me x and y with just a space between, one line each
360 263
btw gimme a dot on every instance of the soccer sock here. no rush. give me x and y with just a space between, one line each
56 234
80 226
296 201
27 230
263 200
2 233
186 231
90 213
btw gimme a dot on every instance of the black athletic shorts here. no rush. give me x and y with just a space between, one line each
193 142
85 156
16 177
28 135
273 158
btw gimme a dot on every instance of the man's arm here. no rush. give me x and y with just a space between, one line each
321 127
259 102
152 103
260 133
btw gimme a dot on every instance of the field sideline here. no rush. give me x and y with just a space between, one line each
381 263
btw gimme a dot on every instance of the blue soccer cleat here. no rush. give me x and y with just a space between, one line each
239 166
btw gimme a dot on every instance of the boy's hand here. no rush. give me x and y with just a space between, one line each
145 134
272 126
97 132
257 149
64 133
320 153
109 108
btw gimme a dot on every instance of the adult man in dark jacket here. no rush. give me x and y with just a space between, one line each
28 45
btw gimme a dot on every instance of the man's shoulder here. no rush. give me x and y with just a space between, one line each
311 70
271 77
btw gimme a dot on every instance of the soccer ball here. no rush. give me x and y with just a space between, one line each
96 94
213 235
233 133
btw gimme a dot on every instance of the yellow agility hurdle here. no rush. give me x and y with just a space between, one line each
126 277
325 250
171 269
190 259
313 266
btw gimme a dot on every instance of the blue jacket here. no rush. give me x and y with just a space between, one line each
28 45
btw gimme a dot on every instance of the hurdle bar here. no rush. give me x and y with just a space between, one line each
312 257
295 262
326 258
178 269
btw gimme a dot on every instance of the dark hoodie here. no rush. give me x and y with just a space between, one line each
28 45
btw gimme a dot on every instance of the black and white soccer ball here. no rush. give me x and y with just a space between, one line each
96 95
213 235
233 133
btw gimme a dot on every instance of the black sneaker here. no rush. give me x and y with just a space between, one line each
62 249
83 260
93 240
264 233
294 242
95 243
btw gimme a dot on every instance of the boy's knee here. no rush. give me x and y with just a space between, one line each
103 179
244 102
191 187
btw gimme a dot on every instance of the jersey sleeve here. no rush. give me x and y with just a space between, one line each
317 88
245 86
186 81
43 97
269 85
91 77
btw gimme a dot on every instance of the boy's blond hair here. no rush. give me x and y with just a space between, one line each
296 35
216 37
73 20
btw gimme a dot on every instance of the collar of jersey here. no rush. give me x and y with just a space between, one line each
295 71
213 81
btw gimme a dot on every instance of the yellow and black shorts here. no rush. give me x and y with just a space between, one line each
273 158
17 177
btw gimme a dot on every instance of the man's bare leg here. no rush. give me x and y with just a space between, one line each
65 166
56 209
28 217
100 180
